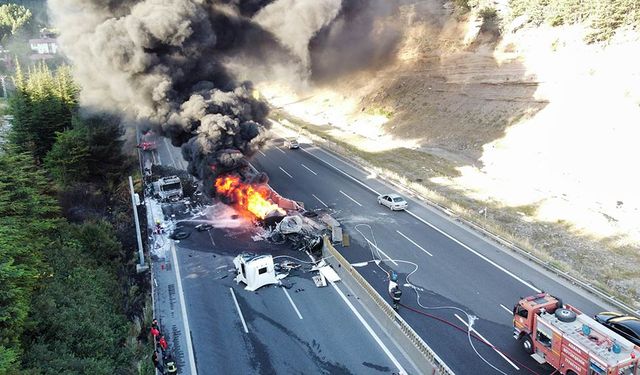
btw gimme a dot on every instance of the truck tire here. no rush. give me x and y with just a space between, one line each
527 344
565 315
570 372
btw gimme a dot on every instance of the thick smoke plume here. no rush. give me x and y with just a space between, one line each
162 62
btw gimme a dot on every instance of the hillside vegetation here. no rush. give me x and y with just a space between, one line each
520 116
70 301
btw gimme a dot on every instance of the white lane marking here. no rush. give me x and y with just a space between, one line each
292 304
307 168
343 172
370 330
428 224
211 237
354 201
246 330
278 148
183 309
319 200
413 242
474 252
487 341
380 250
262 153
285 172
506 308
166 143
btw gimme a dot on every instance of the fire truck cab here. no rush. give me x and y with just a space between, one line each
570 341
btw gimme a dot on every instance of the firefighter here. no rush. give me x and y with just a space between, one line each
163 343
394 289
156 362
170 364
158 229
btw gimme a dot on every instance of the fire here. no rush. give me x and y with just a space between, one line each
246 196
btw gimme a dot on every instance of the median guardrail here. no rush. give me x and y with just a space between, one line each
422 356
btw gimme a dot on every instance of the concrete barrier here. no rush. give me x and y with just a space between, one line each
422 356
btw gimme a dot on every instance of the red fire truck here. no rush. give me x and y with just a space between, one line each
570 341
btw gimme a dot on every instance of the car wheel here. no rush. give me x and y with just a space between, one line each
527 344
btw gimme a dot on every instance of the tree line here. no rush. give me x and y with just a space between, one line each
70 300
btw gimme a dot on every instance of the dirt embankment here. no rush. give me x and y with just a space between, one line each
539 126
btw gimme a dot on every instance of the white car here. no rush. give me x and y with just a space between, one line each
393 201
291 143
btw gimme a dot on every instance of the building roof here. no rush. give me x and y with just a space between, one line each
42 41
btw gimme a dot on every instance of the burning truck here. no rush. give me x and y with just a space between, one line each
284 220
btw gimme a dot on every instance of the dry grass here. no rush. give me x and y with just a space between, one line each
597 262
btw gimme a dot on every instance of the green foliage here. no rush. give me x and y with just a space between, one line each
603 16
76 324
12 18
28 217
42 106
68 159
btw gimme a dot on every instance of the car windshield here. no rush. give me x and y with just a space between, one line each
632 325
398 199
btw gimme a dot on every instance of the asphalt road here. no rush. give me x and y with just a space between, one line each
458 271
300 329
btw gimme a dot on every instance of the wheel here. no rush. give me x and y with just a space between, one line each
565 315
570 373
527 344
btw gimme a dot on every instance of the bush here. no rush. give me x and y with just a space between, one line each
604 17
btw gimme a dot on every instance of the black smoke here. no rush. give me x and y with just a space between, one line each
162 62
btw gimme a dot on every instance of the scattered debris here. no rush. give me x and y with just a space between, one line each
255 271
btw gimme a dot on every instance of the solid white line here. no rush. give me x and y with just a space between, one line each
211 237
324 204
506 308
380 250
285 172
344 173
278 148
166 143
246 330
292 304
262 153
487 341
307 168
474 252
183 309
370 330
418 246
354 201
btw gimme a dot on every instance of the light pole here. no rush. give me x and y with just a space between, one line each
140 267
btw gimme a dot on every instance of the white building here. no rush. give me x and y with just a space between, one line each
44 46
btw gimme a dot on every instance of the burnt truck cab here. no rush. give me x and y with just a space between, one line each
571 342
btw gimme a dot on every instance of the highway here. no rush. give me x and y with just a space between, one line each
300 329
458 271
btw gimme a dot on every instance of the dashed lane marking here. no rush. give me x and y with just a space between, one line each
413 242
319 200
307 168
285 172
244 325
507 309
354 201
292 304
487 341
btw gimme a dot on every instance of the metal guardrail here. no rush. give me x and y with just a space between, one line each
439 366
586 286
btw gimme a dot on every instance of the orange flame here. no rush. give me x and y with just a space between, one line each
246 196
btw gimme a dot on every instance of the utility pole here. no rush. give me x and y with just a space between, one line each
140 267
